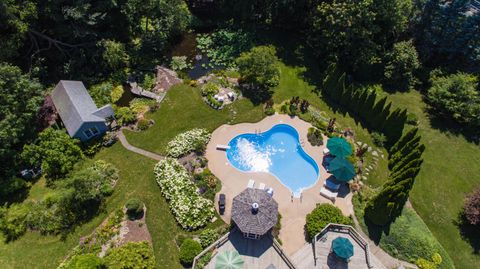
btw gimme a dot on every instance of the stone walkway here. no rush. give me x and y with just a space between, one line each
140 151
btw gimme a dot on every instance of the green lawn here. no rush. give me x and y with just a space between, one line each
451 169
136 180
183 109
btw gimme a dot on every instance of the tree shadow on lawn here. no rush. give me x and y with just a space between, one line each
449 127
470 233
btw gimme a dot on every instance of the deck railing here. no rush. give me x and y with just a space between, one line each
285 258
216 244
340 228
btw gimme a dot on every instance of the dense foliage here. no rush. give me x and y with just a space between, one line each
259 69
376 113
20 99
471 208
321 216
85 261
76 199
456 97
189 249
55 151
83 39
186 142
134 208
405 159
448 35
401 64
190 209
131 255
207 237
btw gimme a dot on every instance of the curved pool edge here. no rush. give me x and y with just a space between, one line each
303 153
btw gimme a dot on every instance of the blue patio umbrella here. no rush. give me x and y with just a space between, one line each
343 248
341 169
339 147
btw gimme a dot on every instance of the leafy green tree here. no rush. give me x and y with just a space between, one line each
12 220
131 255
259 68
188 250
321 216
55 151
400 66
456 97
20 100
101 93
114 54
448 35
16 17
86 261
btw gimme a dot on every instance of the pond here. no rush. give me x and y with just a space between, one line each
188 47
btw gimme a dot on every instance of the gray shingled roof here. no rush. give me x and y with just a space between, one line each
75 106
248 221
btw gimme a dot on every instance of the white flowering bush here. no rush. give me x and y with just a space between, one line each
189 208
187 142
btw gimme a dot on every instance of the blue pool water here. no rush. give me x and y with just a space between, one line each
277 151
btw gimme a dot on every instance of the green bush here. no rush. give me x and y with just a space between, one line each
203 261
315 136
125 116
189 249
12 221
143 124
131 255
209 88
134 208
379 139
322 215
148 82
207 237
269 111
85 261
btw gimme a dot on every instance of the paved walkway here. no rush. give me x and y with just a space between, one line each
385 258
140 151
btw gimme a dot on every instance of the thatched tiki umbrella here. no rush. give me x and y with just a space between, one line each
254 212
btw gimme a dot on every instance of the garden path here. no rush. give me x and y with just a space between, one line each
140 151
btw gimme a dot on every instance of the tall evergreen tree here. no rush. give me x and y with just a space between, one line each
409 135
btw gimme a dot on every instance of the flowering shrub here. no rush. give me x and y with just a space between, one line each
190 209
186 142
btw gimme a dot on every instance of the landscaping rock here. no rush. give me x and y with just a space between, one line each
375 153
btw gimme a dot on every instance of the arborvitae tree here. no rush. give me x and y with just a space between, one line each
377 113
415 164
409 135
397 177
415 154
404 151
353 105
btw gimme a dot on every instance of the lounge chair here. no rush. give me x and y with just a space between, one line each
222 147
326 151
262 186
331 185
328 194
270 192
251 183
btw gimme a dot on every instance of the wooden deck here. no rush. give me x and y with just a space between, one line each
257 254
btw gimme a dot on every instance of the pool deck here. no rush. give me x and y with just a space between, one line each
293 210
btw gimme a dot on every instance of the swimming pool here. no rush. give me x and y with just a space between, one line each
277 151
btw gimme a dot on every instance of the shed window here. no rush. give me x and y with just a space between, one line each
91 132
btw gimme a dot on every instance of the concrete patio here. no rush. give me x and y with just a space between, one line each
293 210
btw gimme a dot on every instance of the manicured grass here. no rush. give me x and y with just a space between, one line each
450 170
136 180
183 109
408 238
